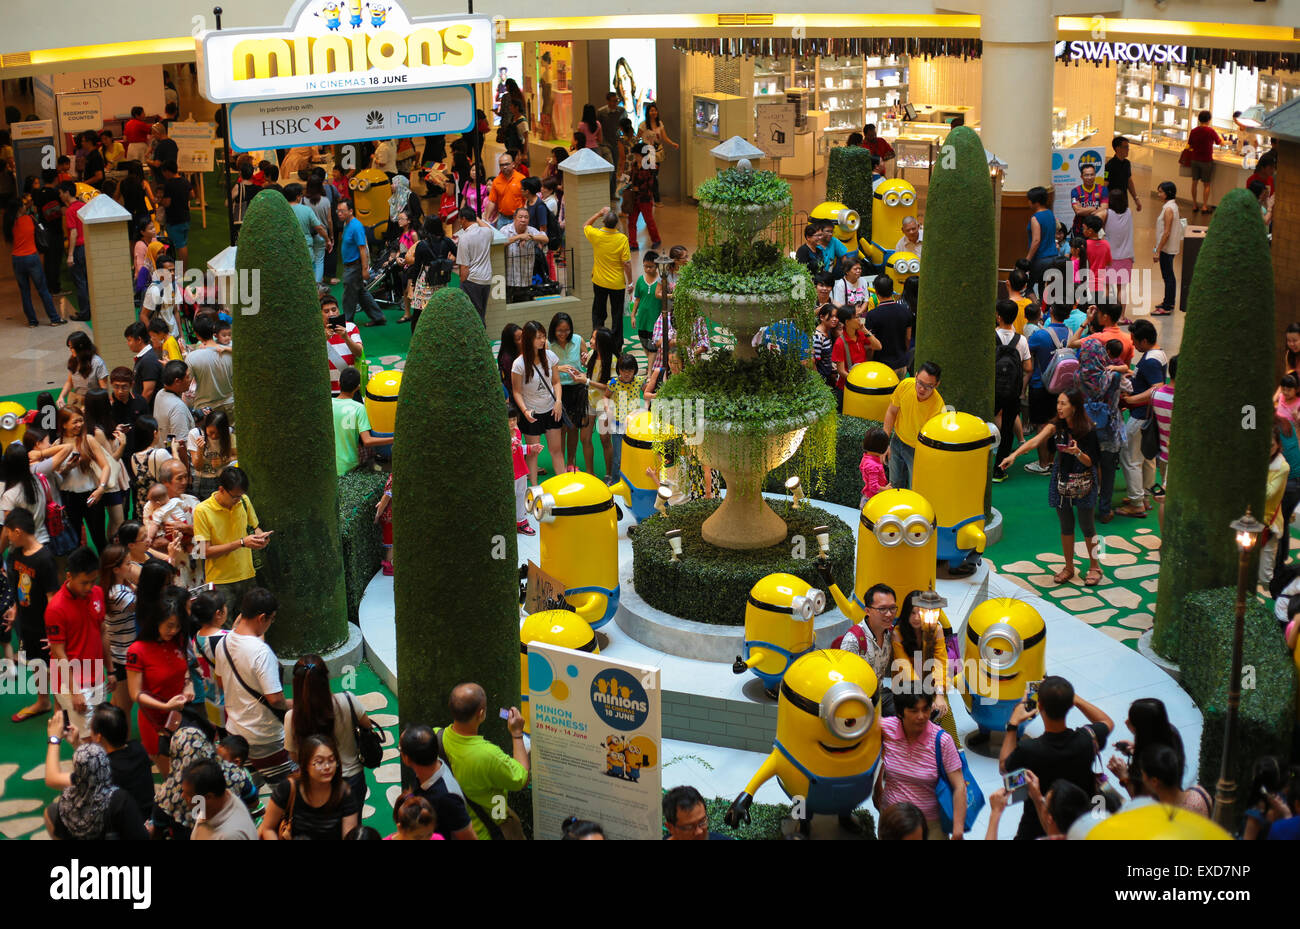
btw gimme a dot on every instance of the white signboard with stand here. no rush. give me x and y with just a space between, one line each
1066 163
193 146
79 112
597 743
775 124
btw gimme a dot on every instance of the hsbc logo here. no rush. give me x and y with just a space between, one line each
326 123
276 127
126 80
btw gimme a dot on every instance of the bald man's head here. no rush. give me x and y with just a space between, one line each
467 700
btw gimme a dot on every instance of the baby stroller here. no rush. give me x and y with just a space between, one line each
387 282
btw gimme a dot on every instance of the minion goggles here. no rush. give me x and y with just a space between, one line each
1000 659
542 506
902 266
837 696
895 198
805 607
889 531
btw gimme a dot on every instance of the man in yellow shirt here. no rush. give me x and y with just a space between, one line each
915 401
225 535
611 272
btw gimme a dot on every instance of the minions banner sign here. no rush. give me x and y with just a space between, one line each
597 744
344 47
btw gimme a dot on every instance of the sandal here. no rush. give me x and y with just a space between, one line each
1063 575
1093 578
25 714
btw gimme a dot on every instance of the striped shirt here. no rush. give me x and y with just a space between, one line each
120 621
1162 402
911 769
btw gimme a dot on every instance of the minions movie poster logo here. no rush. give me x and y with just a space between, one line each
1066 165
596 742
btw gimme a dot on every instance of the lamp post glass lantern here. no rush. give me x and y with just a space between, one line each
1248 530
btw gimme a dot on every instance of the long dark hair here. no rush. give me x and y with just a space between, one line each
313 705
1078 423
911 644
110 559
1151 727
97 412
143 431
507 353
433 228
221 422
561 317
532 329
84 360
589 115
16 469
657 120
152 611
603 352
308 746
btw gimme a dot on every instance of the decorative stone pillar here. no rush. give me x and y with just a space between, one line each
586 190
108 270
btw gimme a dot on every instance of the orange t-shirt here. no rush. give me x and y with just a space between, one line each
507 195
24 236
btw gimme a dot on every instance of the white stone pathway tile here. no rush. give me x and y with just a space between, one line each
1120 635
367 811
1081 603
13 828
1021 567
1148 541
1114 559
392 793
38 773
383 720
1151 585
372 701
388 774
390 754
1051 558
14 807
1153 556
1121 543
1121 597
1143 531
6 770
1042 580
1132 571
1141 621
1097 617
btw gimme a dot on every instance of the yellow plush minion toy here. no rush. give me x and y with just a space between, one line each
827 741
869 389
951 470
779 620
579 538
564 628
381 406
893 200
1003 651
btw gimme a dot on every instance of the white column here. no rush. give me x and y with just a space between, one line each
1016 104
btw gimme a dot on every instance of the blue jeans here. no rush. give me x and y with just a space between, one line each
318 260
79 280
900 463
28 271
1171 282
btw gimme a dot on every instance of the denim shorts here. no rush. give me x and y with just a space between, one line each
179 234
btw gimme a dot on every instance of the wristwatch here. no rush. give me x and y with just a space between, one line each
55 740
1013 728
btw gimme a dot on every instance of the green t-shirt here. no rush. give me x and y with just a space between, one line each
483 772
648 304
307 221
350 420
570 354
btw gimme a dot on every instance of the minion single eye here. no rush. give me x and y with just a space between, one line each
849 220
908 198
8 422
847 711
914 266
891 199
1000 646
889 531
540 504
917 530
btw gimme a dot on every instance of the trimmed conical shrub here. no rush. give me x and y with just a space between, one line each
286 430
959 275
1223 413
456 578
848 181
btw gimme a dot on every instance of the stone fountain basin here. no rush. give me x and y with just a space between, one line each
746 219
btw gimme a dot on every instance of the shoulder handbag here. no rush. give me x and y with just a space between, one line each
495 830
370 742
565 419
943 790
286 825
261 697
63 538
1150 436
1075 486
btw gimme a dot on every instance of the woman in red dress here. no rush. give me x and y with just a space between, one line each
157 667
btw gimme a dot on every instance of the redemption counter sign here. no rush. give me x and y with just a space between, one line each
327 46
597 744
351 118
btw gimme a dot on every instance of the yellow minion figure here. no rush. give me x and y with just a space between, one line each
635 485
381 406
896 546
1156 821
894 200
951 469
12 425
1003 651
868 390
846 222
779 620
827 741
564 628
378 14
354 13
86 193
371 189
615 755
900 266
579 539
329 12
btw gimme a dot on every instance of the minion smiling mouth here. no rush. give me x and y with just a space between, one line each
839 751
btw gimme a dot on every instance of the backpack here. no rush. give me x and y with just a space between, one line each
1007 368
1062 371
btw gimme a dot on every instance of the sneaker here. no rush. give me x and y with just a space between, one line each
1035 468
33 325
525 529
999 475
59 322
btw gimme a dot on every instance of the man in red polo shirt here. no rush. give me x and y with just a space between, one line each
78 637
876 145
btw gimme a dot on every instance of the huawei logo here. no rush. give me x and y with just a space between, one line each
326 123
374 119
126 80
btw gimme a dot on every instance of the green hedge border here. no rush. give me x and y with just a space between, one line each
710 585
359 493
844 487
1266 718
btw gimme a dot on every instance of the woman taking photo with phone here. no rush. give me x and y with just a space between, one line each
1072 486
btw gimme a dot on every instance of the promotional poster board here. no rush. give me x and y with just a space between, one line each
1065 176
119 89
33 147
193 146
79 112
597 743
775 129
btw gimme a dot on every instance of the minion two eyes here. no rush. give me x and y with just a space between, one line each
915 530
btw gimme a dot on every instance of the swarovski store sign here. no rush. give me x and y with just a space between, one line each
1131 52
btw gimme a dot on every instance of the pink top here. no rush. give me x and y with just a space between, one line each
1162 404
593 135
517 452
910 766
874 478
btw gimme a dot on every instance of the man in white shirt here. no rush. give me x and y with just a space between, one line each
911 240
474 259
220 815
174 417
871 638
250 679
176 516
162 296
521 254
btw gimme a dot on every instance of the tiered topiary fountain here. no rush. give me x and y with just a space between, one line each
759 407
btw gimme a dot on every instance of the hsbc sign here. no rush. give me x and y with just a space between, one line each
326 123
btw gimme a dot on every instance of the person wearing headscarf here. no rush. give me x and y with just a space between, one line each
172 815
90 806
402 200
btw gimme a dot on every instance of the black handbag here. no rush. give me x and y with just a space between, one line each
370 742
1150 436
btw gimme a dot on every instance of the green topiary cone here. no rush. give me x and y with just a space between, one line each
848 181
959 275
456 578
286 430
1223 414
